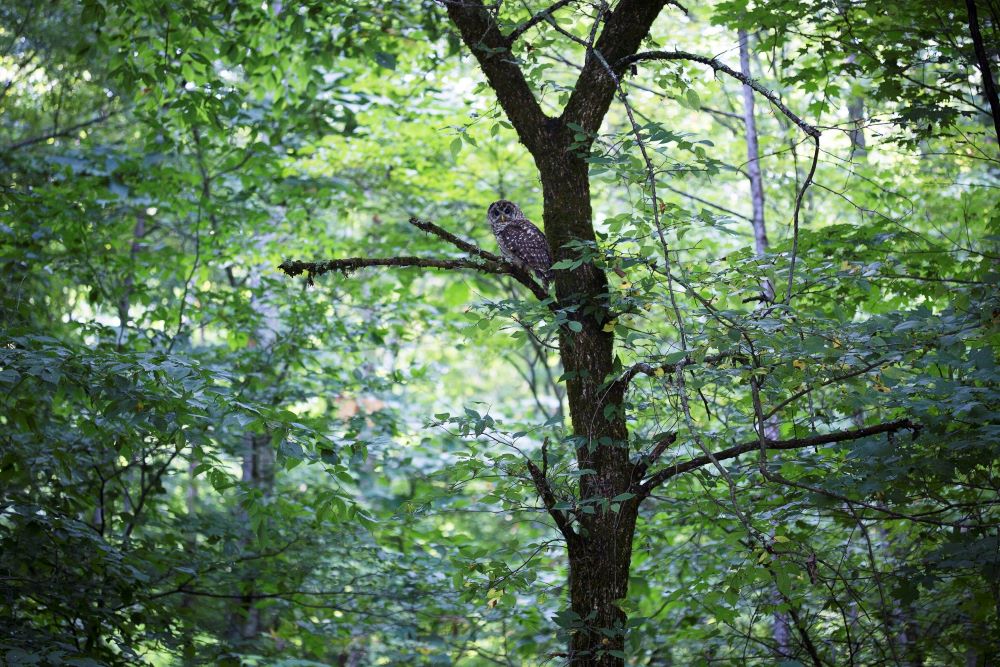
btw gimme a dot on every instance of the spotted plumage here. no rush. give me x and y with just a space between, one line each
519 240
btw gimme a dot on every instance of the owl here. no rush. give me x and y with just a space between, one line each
519 240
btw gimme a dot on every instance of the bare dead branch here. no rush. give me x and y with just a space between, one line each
348 265
465 246
483 261
520 273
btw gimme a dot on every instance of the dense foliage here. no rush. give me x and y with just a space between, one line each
205 461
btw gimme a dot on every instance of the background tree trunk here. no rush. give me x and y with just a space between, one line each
258 472
781 629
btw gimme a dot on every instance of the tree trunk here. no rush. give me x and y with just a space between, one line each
245 623
598 579
983 62
753 155
781 629
856 114
600 553
598 532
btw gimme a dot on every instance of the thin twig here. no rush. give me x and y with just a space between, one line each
539 17
719 66
795 219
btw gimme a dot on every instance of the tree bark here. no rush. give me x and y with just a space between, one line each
753 154
781 629
245 623
599 539
124 301
600 553
856 114
598 579
983 61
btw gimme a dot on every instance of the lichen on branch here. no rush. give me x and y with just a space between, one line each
481 260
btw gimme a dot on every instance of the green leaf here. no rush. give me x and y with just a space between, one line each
386 60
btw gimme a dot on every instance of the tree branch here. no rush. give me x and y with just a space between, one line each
798 443
718 66
654 455
491 48
624 30
348 265
549 500
795 219
837 378
486 262
520 273
658 370
983 61
461 244
56 133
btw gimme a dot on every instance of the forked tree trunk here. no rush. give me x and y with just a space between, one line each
598 536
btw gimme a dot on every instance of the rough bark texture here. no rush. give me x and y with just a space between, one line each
983 61
599 565
600 547
600 554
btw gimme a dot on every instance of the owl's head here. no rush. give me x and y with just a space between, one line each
503 210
